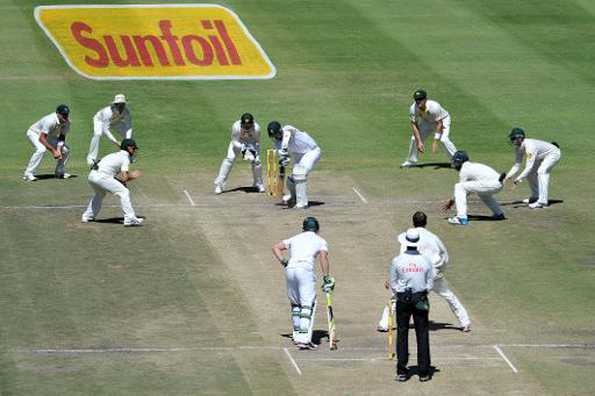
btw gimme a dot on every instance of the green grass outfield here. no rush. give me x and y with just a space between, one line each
192 303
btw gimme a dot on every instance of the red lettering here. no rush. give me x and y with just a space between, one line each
219 52
231 48
131 57
207 51
171 41
102 60
141 46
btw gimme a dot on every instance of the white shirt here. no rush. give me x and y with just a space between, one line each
50 125
433 113
113 121
114 163
303 249
473 171
431 247
535 150
410 271
250 137
296 141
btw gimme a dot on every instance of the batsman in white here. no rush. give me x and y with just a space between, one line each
102 179
49 133
431 247
291 143
245 140
474 178
107 121
428 117
301 279
541 159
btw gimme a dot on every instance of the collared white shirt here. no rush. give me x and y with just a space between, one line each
303 249
433 113
51 125
250 137
534 150
296 141
114 121
474 171
114 163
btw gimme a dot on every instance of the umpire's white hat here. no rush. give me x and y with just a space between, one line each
412 237
120 98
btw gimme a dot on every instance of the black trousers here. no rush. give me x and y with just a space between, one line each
422 333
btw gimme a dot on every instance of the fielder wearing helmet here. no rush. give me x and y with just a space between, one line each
274 130
516 136
458 159
63 112
311 224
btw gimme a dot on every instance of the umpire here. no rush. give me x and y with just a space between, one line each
410 281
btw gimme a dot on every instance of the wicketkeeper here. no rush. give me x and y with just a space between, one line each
301 279
245 140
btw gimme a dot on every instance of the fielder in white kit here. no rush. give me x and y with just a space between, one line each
245 140
114 118
301 278
49 133
103 180
541 159
428 117
431 247
291 143
474 178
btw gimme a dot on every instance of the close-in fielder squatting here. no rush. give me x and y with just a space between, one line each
305 153
427 117
245 140
49 133
102 179
301 279
431 247
541 159
113 118
474 178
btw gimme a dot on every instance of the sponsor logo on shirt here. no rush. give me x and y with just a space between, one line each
411 267
161 41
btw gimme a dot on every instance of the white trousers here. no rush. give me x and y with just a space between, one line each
484 191
301 291
227 164
425 131
102 184
40 150
443 290
99 129
297 183
539 177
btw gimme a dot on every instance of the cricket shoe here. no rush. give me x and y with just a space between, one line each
466 329
424 377
85 219
458 220
303 346
29 177
218 189
408 164
529 200
136 222
63 175
401 377
537 205
499 216
260 188
286 199
381 329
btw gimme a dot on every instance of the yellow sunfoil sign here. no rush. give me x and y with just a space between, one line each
173 41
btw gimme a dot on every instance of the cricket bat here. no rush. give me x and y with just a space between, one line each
390 333
332 335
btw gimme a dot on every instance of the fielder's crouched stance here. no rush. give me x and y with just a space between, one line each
245 140
301 279
103 179
305 153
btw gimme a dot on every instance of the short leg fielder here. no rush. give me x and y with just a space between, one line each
484 192
102 184
297 183
227 165
301 290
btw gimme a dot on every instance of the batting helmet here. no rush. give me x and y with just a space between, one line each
420 94
311 224
127 143
63 110
247 119
458 159
274 130
516 133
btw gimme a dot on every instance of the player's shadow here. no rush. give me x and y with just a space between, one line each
250 189
414 370
113 220
317 336
311 204
483 218
436 165
520 204
435 326
46 176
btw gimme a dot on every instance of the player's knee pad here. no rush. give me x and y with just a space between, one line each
305 317
299 173
295 317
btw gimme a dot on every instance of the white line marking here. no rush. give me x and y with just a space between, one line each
297 368
373 359
514 370
581 346
364 200
189 198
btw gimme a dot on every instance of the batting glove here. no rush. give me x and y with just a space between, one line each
328 284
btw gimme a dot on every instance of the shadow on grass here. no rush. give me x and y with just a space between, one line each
47 176
436 165
242 189
317 336
113 220
520 204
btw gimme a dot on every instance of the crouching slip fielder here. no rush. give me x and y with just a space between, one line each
49 133
541 159
102 179
431 247
474 178
305 153
245 140
427 117
113 118
301 279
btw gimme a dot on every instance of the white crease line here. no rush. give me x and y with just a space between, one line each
297 368
189 198
514 369
364 200
374 359
580 346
